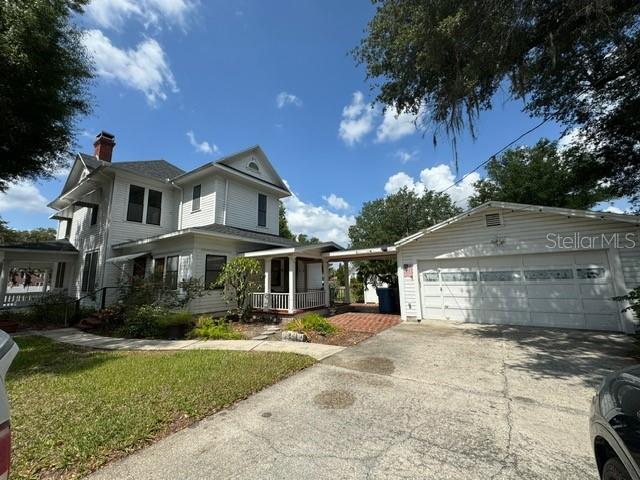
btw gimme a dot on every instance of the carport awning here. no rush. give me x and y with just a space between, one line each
126 258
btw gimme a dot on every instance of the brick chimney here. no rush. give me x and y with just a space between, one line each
104 144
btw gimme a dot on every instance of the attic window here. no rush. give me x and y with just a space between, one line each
253 166
492 220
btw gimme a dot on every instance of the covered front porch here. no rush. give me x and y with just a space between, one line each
297 278
31 271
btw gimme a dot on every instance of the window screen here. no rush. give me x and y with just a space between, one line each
136 204
262 210
154 206
195 203
94 215
60 274
213 267
171 273
89 272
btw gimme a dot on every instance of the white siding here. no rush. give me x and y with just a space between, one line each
264 171
121 230
89 238
521 233
206 215
242 208
213 300
630 259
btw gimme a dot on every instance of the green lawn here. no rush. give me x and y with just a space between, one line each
73 409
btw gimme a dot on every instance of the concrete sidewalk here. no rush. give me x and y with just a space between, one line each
77 337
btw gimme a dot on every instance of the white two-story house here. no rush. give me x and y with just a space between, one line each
117 220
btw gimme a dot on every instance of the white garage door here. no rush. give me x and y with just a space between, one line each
568 290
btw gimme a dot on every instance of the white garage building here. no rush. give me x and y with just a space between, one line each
505 263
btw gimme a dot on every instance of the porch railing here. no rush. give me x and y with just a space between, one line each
280 301
312 299
22 299
270 301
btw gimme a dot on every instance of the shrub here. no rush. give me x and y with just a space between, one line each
54 310
208 328
175 319
312 322
239 278
633 297
143 322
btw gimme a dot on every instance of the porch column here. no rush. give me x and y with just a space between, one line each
325 283
347 293
292 283
267 283
54 271
4 278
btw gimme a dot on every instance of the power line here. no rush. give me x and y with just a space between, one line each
478 167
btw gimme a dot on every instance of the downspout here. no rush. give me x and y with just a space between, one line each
226 195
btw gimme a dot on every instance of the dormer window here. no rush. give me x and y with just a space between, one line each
253 166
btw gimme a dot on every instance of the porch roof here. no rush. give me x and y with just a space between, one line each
215 230
54 246
313 250
375 253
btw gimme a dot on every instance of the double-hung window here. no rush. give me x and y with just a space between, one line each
262 210
154 207
213 267
89 272
195 202
136 204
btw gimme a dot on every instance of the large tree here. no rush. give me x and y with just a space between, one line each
386 220
44 74
541 175
576 62
9 235
284 230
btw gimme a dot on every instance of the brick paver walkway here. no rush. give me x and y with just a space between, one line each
365 322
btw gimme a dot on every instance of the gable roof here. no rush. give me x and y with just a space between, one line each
158 169
565 212
225 164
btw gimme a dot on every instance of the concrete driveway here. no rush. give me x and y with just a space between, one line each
416 401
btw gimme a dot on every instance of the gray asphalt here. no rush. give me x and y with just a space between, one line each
417 401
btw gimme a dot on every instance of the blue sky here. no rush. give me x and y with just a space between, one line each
189 82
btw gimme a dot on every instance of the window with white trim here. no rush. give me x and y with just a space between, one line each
262 210
89 272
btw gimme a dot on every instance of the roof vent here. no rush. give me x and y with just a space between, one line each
492 220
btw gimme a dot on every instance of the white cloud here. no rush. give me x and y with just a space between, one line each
436 179
114 13
396 125
317 221
202 147
357 119
336 202
612 209
23 196
404 156
283 99
144 68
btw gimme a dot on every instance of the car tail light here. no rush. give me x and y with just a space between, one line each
5 450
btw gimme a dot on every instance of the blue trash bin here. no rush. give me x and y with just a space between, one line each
388 300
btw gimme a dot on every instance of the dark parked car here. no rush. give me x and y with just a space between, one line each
615 425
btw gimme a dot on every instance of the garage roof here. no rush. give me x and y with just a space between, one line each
566 212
